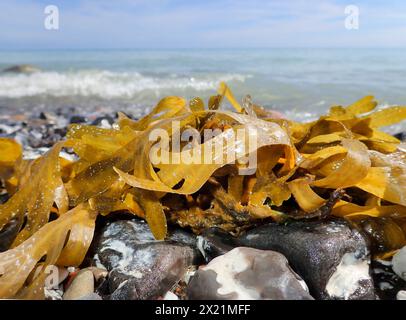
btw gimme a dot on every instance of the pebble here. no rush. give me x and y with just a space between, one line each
22 68
104 121
248 274
63 273
78 119
38 130
401 295
98 273
81 286
215 242
387 282
399 263
170 296
401 136
139 266
330 256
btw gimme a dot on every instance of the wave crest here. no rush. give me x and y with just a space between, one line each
104 84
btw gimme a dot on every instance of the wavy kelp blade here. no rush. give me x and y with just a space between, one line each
387 116
386 183
117 198
271 187
381 146
92 143
166 108
99 176
326 138
154 213
47 189
10 153
363 105
334 128
80 238
351 210
236 186
306 198
244 213
380 141
48 242
194 175
36 196
299 132
61 197
268 158
93 183
313 160
352 170
196 105
386 178
290 160
225 91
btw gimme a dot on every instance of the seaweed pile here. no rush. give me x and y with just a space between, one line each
340 164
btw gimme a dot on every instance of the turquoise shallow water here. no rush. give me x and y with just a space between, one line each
300 82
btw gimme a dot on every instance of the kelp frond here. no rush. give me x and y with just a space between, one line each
341 164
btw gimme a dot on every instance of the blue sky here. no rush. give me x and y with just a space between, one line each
201 24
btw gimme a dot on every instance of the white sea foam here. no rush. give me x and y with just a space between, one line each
103 84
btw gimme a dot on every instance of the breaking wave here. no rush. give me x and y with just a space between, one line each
105 84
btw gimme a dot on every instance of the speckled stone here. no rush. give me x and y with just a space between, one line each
399 263
246 273
139 266
314 249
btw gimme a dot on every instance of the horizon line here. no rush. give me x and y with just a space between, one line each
196 48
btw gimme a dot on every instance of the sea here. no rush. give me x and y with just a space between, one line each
301 83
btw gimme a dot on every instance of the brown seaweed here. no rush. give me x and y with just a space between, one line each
303 164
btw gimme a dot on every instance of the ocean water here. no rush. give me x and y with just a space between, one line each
302 83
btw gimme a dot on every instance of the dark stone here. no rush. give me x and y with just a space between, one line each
246 273
149 279
99 120
78 119
399 263
4 198
40 136
139 266
22 68
387 282
314 249
215 242
60 131
128 115
204 285
401 136
8 234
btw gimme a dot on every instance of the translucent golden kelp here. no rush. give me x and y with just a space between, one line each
341 164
